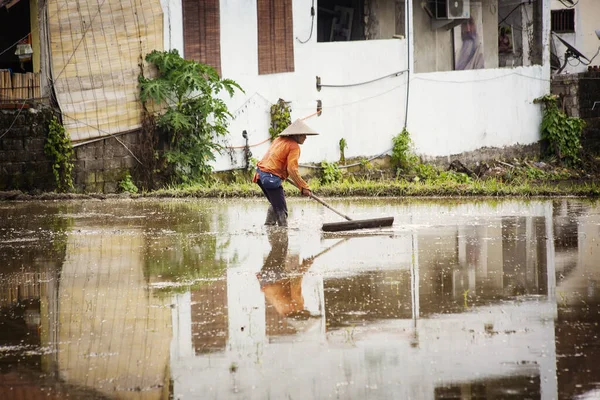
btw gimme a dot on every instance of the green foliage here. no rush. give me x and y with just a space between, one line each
59 148
563 133
365 164
343 146
252 164
430 174
280 118
330 173
186 96
126 184
402 156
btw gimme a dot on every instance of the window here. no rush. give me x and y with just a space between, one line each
563 21
201 32
275 36
344 20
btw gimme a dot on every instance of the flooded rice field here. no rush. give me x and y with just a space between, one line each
159 299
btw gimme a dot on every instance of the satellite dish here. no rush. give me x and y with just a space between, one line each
571 52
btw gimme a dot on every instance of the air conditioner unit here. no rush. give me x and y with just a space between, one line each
452 9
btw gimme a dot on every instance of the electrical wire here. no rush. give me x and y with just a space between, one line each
14 120
511 11
312 24
394 74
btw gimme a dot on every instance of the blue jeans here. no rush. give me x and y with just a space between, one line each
276 197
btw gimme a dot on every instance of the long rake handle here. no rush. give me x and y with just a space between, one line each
324 203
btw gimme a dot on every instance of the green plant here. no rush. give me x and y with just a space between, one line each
59 148
330 173
126 184
343 146
365 164
252 164
280 118
563 133
185 95
402 156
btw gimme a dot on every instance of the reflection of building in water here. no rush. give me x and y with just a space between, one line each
113 333
462 330
483 262
578 299
209 311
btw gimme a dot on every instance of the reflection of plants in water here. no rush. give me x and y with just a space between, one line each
187 257
233 367
190 256
466 298
563 298
60 227
349 335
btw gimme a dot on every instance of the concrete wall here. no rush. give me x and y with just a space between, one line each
101 165
580 95
587 20
455 112
23 163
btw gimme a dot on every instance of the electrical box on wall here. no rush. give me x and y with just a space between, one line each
452 9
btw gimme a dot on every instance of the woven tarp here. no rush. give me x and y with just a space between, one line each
96 47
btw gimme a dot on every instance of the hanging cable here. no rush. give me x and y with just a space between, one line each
312 24
512 11
392 75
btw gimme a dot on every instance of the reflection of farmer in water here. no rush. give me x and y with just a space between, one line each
471 54
281 277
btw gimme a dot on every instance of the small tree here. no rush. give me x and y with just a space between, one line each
187 107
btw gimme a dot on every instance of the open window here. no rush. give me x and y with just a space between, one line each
345 20
451 35
519 33
20 51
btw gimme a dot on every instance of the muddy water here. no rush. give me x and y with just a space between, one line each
197 300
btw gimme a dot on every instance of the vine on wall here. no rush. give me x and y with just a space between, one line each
60 150
280 118
563 133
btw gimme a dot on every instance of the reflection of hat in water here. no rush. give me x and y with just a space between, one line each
298 128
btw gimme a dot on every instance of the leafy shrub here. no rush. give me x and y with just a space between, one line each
402 156
330 173
185 99
126 184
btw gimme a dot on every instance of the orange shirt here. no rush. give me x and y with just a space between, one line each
282 160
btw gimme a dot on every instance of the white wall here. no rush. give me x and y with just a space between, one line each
587 20
454 112
173 24
488 109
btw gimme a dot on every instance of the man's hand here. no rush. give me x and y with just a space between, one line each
306 192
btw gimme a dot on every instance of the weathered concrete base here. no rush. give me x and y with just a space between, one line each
487 154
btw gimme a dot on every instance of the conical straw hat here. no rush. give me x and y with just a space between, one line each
298 128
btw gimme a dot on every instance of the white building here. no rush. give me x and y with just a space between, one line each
279 50
576 23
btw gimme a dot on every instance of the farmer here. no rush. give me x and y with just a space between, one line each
281 162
